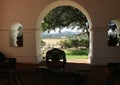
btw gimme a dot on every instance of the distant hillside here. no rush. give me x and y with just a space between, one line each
64 34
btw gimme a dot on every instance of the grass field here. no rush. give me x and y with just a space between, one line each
76 53
72 54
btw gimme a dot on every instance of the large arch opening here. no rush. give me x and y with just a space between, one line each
46 10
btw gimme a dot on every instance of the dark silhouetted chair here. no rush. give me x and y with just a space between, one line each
6 63
56 59
113 73
5 78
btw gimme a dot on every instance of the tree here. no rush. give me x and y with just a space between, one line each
65 16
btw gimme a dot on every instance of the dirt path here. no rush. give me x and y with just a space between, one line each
78 60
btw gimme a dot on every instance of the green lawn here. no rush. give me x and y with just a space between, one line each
76 54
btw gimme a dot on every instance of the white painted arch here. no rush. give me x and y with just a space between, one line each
61 3
49 8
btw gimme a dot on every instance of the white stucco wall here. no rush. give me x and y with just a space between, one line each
28 12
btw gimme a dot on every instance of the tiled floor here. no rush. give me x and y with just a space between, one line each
78 61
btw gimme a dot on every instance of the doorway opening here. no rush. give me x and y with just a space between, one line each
48 44
72 41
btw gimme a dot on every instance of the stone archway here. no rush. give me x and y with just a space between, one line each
46 10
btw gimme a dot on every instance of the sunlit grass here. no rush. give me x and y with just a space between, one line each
76 54
76 57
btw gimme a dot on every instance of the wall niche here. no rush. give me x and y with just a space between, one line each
114 33
16 35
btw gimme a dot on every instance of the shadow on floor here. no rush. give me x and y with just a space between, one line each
96 76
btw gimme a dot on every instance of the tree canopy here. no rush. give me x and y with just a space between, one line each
64 16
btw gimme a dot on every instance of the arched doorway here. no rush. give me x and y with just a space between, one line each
50 7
